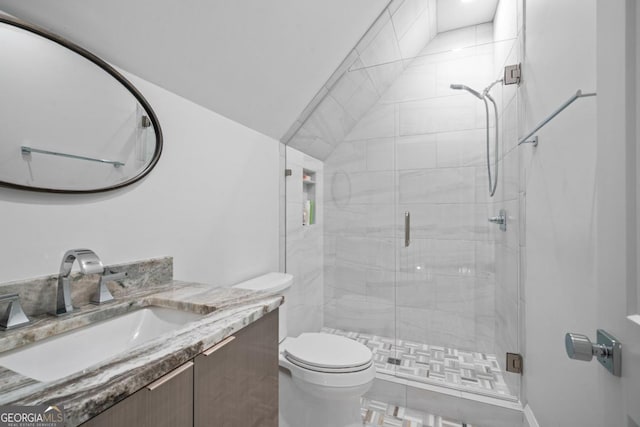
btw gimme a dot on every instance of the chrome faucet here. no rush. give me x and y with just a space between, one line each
103 295
14 316
89 264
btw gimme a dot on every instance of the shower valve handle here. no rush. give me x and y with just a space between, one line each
501 219
497 219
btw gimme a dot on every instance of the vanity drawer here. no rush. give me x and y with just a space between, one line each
236 381
168 401
232 384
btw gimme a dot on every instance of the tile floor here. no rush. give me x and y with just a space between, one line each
376 413
465 370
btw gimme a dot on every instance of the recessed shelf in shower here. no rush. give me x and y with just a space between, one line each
308 197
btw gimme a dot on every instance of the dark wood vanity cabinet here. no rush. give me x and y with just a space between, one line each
232 384
167 402
236 381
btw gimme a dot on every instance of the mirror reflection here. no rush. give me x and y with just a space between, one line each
67 124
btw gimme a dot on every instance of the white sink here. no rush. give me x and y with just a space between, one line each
74 351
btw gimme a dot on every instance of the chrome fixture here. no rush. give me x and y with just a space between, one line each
14 317
501 219
608 350
28 150
145 122
512 74
514 363
468 89
407 229
528 140
89 264
493 183
103 294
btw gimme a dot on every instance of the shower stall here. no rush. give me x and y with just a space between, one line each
387 207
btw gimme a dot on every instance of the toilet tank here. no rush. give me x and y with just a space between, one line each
275 284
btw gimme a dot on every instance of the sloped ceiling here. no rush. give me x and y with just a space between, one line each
390 44
256 62
398 34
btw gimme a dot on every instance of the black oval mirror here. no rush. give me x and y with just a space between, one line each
69 122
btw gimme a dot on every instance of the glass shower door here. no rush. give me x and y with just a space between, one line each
359 241
457 280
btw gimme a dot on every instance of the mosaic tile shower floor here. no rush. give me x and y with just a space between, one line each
376 413
465 370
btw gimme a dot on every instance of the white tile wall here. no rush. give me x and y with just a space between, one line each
433 115
463 148
416 37
367 72
406 15
442 185
304 248
380 154
450 40
378 122
421 149
416 152
417 82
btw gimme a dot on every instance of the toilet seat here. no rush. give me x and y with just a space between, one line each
327 360
327 353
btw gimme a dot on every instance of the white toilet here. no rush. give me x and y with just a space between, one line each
322 376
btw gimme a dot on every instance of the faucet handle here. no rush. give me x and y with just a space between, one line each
103 294
14 317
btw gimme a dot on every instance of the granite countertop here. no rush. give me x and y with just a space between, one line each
87 393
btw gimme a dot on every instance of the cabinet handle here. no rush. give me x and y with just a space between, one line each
218 346
157 383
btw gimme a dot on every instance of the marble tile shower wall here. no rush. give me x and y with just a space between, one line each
420 148
399 33
304 254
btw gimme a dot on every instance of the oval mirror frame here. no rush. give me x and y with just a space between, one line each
5 19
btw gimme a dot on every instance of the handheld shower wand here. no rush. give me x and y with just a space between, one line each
493 183
468 89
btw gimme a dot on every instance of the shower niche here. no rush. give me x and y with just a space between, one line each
309 206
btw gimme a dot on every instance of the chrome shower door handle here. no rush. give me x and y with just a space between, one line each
407 229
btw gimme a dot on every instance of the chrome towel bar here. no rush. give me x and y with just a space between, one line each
29 150
528 140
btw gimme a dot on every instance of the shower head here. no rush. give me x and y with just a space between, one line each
468 89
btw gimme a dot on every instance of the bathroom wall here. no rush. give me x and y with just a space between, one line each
304 243
399 33
509 300
421 149
211 202
559 189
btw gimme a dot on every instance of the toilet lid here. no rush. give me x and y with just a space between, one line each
328 353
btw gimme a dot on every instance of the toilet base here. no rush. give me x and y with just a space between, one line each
310 405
